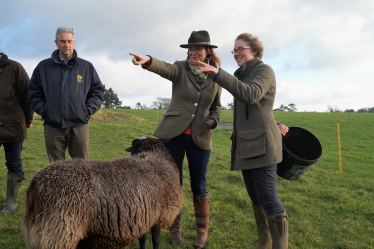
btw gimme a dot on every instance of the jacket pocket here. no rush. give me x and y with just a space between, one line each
172 113
207 125
10 130
252 142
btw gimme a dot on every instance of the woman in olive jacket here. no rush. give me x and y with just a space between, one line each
256 141
195 110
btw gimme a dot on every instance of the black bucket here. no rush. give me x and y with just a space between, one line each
300 150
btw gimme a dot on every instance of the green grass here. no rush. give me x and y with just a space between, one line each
328 209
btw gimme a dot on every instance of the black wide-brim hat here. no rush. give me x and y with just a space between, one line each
199 38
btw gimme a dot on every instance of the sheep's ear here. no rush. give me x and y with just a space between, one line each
131 149
135 144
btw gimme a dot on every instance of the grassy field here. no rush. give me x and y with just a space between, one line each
328 209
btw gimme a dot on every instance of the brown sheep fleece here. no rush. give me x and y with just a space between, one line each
102 204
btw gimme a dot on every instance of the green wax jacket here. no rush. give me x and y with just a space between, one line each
191 103
256 140
15 110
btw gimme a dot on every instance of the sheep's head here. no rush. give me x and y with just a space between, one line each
147 144
144 144
135 145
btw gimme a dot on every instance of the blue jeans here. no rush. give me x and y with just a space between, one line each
261 184
13 156
198 160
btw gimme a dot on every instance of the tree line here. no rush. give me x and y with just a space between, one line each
159 104
111 100
361 110
290 108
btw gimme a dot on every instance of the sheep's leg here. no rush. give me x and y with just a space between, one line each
142 241
156 237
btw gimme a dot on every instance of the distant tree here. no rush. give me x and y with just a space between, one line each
223 108
282 108
161 103
111 99
138 106
230 106
333 109
124 107
349 110
292 107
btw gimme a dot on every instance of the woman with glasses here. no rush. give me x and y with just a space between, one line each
257 142
195 110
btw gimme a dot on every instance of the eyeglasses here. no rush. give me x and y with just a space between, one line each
240 49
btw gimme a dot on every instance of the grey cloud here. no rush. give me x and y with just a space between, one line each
115 28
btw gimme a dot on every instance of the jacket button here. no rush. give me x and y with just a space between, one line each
195 104
193 115
198 93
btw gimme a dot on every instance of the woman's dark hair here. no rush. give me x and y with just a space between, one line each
211 56
253 42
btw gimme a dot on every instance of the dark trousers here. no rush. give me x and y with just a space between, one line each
198 160
13 156
57 140
261 184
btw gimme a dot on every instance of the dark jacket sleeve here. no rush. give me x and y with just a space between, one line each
215 108
249 92
95 96
36 94
22 88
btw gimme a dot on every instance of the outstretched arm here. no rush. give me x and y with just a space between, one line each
140 59
208 69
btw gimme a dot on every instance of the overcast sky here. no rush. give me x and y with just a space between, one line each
322 51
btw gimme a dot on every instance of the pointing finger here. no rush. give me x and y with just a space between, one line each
202 63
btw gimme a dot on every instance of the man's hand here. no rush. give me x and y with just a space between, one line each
140 59
28 126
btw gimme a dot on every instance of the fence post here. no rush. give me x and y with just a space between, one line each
340 150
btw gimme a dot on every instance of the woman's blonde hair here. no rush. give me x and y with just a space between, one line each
211 57
253 42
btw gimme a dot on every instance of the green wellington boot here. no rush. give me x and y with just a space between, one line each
264 236
13 183
278 225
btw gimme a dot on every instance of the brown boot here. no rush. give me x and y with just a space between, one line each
201 205
278 225
264 236
175 231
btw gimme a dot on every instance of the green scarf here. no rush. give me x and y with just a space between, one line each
200 77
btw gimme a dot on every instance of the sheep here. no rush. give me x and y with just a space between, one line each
103 204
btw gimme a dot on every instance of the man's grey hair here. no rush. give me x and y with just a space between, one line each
64 29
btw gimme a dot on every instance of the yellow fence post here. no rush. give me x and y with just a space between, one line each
340 150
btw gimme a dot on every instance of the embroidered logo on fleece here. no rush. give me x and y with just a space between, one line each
79 78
